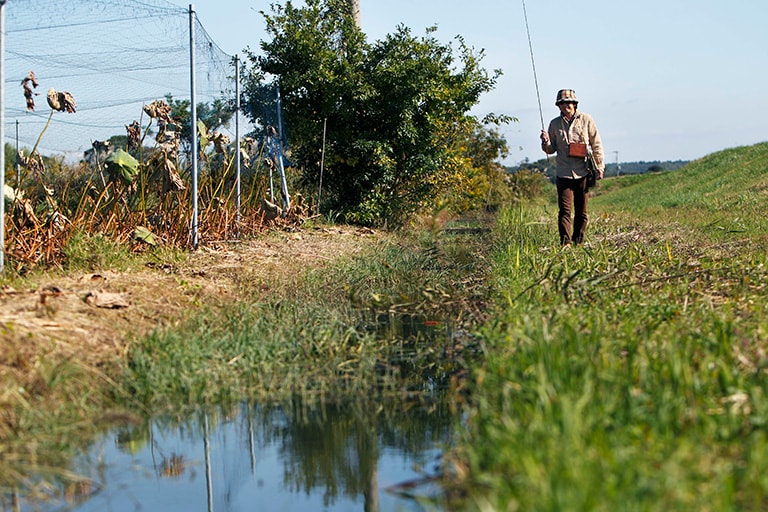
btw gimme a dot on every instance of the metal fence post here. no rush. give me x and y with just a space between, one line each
193 121
2 135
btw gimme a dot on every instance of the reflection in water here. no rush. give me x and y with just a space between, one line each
257 458
293 457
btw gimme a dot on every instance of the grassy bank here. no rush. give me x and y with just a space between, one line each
355 327
629 374
57 375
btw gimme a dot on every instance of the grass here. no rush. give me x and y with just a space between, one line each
723 193
355 328
629 374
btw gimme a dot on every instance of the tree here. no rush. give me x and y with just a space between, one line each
394 110
354 5
480 180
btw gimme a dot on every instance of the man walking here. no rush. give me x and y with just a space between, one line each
572 135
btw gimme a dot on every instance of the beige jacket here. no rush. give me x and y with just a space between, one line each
581 129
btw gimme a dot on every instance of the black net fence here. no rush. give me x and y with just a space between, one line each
94 99
113 57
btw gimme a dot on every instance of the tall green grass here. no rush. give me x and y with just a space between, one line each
629 374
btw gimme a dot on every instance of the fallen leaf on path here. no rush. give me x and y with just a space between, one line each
106 300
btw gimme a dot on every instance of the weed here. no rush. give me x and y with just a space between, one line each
362 326
117 193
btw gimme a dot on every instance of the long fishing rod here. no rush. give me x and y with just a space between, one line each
535 78
533 64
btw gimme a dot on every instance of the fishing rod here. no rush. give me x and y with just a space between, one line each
533 65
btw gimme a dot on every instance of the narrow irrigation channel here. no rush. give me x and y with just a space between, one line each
340 389
356 454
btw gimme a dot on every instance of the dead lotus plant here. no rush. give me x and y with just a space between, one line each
61 101
143 197
40 225
29 83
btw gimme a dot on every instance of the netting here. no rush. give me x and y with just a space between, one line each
113 57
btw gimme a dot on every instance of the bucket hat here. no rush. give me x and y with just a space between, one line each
566 96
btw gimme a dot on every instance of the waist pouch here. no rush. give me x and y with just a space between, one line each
577 149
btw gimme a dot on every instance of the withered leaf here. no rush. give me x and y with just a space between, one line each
28 93
106 300
158 109
61 101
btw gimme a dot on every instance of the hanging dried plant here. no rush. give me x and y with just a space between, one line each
28 84
34 163
172 182
245 158
134 134
158 109
168 141
24 214
61 101
220 142
247 148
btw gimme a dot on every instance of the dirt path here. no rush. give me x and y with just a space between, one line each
92 317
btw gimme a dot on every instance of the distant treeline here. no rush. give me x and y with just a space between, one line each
611 169
643 167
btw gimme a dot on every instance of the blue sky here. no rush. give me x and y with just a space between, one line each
664 80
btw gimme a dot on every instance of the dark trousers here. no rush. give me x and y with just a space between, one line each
572 198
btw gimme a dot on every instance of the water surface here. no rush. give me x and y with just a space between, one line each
254 458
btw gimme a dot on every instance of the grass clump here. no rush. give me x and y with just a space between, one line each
49 409
368 324
628 374
92 252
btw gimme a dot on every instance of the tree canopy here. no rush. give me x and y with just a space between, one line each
396 111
